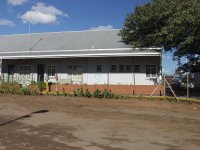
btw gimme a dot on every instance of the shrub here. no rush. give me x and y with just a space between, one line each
41 86
12 88
87 93
33 82
52 94
33 88
57 93
25 91
116 96
47 93
107 94
78 92
64 93
16 88
97 93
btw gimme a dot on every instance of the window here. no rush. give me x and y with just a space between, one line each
128 68
151 70
99 68
75 72
137 68
25 72
51 71
121 68
75 69
113 68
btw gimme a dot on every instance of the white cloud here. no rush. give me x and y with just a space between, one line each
102 27
41 13
4 22
16 2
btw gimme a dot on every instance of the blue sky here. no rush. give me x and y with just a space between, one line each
67 15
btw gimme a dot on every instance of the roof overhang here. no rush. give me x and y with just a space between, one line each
116 52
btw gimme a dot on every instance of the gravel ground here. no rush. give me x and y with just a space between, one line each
97 124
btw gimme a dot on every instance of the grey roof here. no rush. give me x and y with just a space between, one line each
61 43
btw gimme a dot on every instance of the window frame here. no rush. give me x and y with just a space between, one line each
113 68
25 72
121 68
75 72
128 68
51 71
98 68
151 71
136 70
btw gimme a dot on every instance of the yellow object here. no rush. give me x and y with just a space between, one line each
47 86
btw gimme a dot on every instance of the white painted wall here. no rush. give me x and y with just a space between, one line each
94 77
89 74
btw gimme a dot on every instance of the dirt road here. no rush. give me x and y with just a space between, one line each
91 124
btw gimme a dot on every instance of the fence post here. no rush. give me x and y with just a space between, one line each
164 86
187 86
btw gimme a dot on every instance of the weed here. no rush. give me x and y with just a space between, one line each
78 92
97 93
87 93
107 94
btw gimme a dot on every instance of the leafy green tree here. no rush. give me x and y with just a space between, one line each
171 24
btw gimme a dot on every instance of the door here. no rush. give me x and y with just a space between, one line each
11 71
40 72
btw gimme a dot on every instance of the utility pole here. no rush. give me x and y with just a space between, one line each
187 84
164 86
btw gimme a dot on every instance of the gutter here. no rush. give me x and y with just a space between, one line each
80 55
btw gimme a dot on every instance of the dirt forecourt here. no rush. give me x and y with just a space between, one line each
74 123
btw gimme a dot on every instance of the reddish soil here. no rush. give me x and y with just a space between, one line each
97 124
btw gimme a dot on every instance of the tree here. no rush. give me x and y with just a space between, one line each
171 24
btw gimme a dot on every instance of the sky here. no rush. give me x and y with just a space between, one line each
68 15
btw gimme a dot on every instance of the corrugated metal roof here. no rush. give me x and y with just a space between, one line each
64 43
73 40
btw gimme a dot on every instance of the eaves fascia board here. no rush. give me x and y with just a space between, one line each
80 55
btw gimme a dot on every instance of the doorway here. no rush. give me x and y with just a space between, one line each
11 71
40 72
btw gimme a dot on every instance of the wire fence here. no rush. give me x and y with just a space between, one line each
181 85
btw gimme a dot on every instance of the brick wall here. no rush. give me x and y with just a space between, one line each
117 89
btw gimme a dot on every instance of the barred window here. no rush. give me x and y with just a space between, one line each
137 68
75 73
113 68
128 68
151 70
75 69
25 69
51 71
121 68
25 72
99 68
